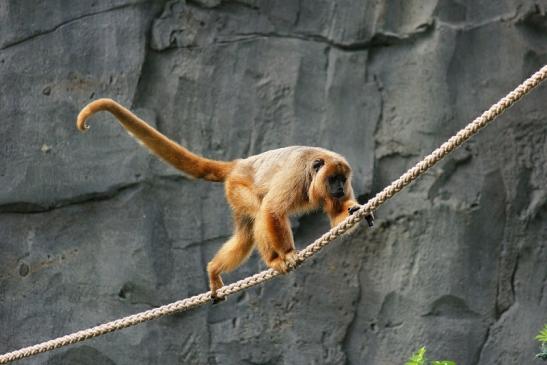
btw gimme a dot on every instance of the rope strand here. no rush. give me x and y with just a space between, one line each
388 192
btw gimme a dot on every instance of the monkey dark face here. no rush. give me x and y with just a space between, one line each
336 186
330 181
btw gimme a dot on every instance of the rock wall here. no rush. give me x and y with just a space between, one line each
92 227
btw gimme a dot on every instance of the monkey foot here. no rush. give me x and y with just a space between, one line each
291 260
285 264
217 300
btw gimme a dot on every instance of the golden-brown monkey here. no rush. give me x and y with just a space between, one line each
263 190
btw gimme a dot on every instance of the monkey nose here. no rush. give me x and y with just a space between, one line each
338 194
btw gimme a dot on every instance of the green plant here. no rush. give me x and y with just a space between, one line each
418 358
542 338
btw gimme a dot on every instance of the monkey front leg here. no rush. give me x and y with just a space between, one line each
338 212
275 241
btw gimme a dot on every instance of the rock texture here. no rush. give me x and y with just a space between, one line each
93 228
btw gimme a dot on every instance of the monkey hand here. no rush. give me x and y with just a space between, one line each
369 218
353 209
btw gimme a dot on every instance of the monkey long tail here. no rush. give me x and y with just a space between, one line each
168 150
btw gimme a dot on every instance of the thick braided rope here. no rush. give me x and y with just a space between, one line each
198 300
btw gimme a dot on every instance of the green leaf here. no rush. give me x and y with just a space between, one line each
418 358
542 336
443 362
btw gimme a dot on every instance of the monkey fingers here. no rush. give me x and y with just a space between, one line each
369 217
353 209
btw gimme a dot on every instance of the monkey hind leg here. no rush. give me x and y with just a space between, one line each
236 250
242 195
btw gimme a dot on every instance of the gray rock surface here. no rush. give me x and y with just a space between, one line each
93 228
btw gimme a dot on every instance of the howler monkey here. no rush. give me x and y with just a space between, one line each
263 190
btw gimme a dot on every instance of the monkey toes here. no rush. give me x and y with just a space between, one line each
285 264
291 259
217 300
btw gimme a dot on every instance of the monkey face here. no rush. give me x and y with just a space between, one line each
331 181
337 185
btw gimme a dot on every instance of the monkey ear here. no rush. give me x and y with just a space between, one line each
317 164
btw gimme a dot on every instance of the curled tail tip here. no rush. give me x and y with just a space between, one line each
89 109
81 120
83 128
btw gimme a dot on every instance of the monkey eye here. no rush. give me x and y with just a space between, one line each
335 178
317 164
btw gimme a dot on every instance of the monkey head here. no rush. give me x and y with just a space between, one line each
331 180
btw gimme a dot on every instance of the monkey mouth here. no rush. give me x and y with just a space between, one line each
338 195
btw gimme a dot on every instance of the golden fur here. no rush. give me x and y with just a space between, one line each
263 190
